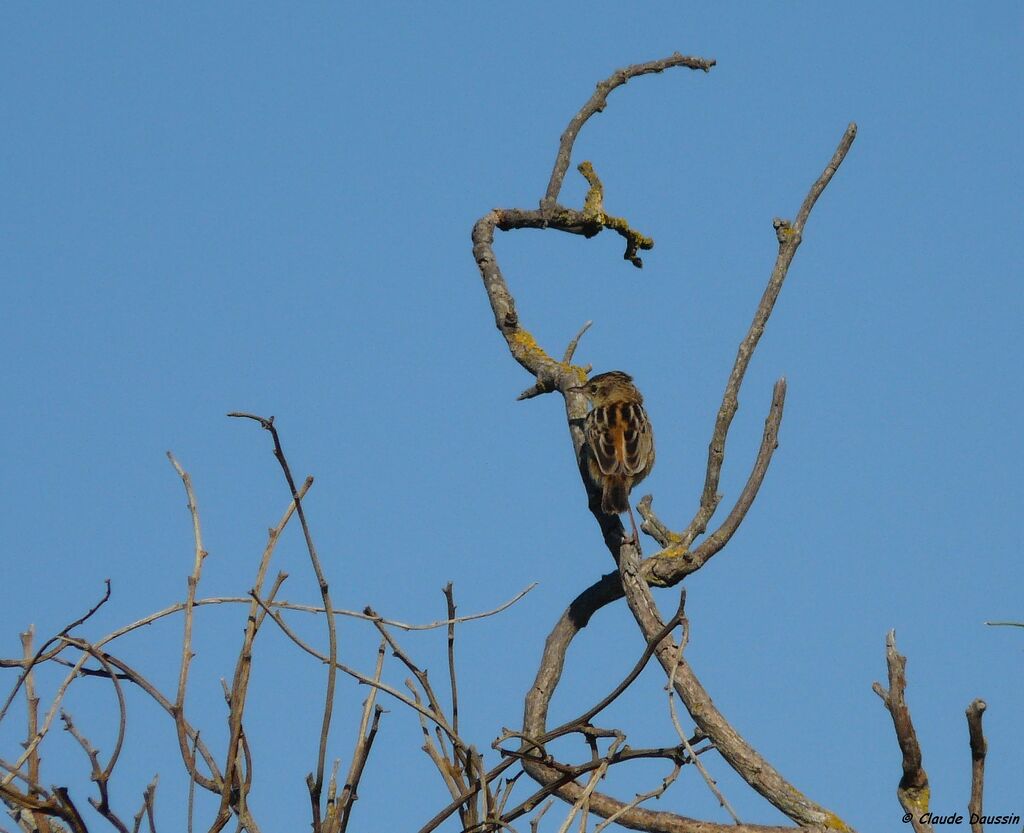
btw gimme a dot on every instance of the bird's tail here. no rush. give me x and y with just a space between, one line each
615 495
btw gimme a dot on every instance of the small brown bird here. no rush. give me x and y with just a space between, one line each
620 442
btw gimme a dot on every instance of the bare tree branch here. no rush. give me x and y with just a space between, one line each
192 786
789 238
481 796
72 817
657 792
364 743
596 103
565 728
102 775
178 709
912 792
41 655
32 719
740 755
979 749
234 794
279 605
148 807
712 785
552 375
535 821
316 785
358 675
452 681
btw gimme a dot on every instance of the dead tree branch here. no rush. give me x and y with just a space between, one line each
178 709
676 559
596 103
315 783
912 792
364 743
979 749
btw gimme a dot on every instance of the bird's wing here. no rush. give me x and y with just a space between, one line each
637 440
605 436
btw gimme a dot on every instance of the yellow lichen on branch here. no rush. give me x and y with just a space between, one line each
526 348
593 203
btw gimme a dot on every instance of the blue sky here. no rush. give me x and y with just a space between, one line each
267 207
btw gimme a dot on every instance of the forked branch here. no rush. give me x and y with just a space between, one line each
316 782
912 792
676 560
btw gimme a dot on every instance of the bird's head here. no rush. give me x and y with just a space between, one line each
613 386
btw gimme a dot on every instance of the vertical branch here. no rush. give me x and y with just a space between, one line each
979 749
148 807
912 792
243 666
364 744
450 599
315 784
32 717
232 792
670 688
193 583
789 236
192 785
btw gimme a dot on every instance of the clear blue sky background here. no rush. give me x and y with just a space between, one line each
267 207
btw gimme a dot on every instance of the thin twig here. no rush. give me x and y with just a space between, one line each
280 605
192 785
452 681
213 783
437 712
565 728
147 808
102 776
332 636
596 103
42 655
535 821
32 744
789 237
657 792
570 351
769 442
582 804
505 792
122 707
358 675
450 599
717 793
364 743
437 755
236 697
641 663
186 642
741 756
